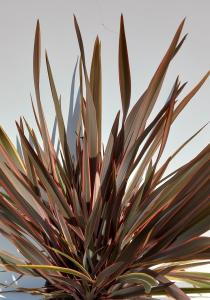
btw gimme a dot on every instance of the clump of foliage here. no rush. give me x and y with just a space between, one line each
105 222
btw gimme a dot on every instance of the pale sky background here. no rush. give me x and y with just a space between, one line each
150 26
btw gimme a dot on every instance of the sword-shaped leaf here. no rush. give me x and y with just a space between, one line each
124 70
96 86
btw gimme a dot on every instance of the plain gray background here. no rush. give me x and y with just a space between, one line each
150 26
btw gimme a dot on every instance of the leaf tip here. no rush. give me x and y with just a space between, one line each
75 20
37 32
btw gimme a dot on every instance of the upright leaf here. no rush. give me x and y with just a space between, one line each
96 86
124 70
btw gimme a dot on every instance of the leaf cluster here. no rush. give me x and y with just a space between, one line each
105 222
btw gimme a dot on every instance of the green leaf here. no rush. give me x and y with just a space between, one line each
126 293
56 269
72 260
10 149
146 280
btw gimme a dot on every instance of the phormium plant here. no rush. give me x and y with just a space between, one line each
105 222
